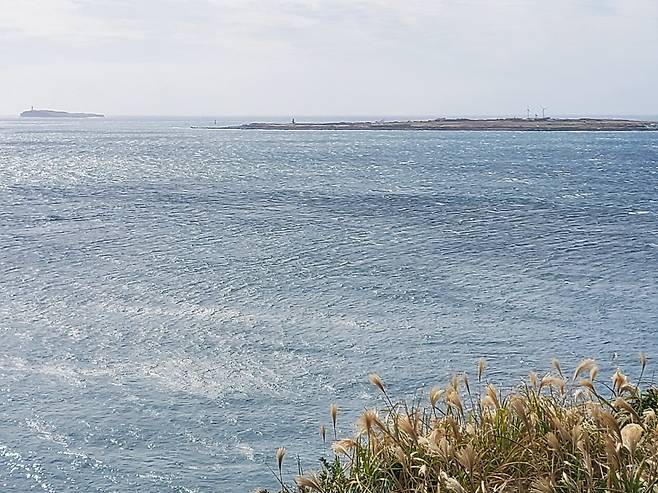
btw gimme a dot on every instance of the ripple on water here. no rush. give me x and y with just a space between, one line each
175 304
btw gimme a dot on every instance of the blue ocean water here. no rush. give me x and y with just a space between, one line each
177 303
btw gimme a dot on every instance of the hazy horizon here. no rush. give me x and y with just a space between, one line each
318 57
300 117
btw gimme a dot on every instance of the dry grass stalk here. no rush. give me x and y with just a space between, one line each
333 412
552 436
376 381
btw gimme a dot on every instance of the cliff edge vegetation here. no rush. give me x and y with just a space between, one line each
557 432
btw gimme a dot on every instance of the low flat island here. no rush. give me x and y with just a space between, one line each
32 113
519 124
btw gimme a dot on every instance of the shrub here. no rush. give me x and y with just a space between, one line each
552 434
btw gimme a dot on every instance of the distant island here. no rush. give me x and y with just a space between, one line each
518 124
32 113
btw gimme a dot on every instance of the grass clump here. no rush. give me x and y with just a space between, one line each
554 433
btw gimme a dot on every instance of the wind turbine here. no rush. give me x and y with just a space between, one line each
527 112
543 111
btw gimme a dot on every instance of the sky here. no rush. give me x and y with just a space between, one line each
330 57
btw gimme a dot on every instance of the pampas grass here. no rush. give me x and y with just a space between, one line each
549 435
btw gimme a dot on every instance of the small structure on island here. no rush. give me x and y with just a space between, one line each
32 113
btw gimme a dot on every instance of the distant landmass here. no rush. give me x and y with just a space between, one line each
32 113
519 124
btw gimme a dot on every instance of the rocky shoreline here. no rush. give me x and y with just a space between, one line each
57 114
508 124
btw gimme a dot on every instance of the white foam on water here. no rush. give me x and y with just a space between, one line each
189 302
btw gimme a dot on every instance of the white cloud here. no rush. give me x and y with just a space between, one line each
55 19
330 56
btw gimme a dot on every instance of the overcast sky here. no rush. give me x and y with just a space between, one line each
329 57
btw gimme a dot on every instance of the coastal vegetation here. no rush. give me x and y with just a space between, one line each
480 125
557 432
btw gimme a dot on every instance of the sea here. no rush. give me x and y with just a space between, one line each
176 303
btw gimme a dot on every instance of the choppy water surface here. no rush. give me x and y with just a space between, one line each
176 303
